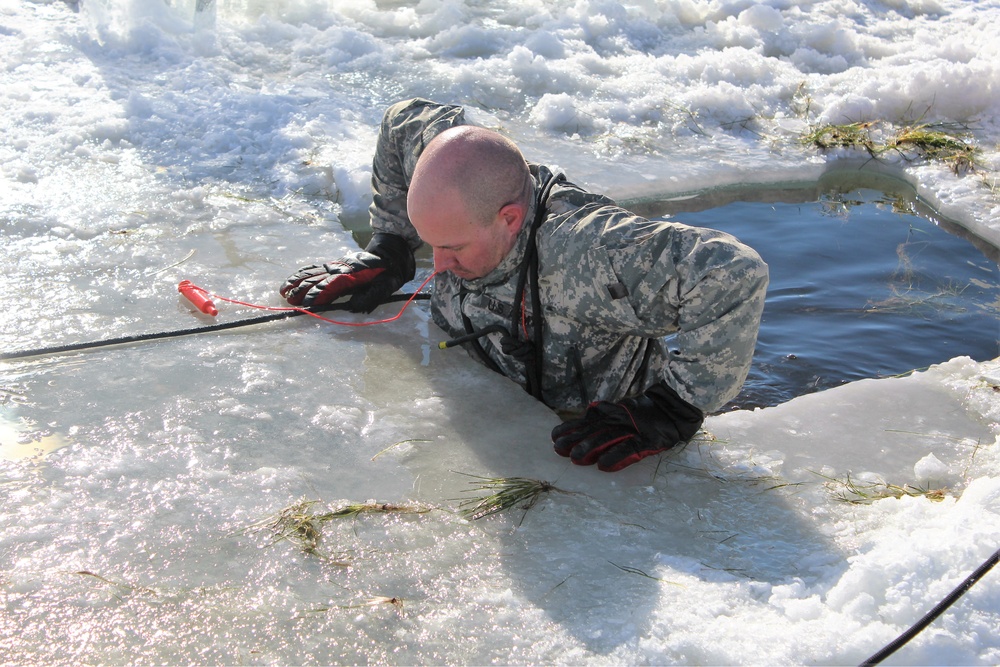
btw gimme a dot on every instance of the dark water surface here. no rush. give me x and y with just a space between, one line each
861 286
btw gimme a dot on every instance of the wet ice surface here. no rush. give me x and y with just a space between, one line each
132 477
135 539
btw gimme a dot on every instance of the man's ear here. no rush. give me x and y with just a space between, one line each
513 216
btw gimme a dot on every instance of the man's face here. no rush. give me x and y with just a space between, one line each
468 249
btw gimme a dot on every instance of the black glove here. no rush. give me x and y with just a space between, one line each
616 435
369 276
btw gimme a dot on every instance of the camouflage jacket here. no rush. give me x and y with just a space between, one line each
625 302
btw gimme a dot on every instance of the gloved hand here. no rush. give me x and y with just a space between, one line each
370 276
616 435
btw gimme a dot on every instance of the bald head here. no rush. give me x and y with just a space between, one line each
482 168
468 198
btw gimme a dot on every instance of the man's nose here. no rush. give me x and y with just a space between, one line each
444 260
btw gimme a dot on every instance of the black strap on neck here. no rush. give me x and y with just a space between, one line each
533 364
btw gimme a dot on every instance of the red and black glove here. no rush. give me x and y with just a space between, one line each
616 435
369 276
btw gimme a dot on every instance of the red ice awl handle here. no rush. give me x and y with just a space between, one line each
198 297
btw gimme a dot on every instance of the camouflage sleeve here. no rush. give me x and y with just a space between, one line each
407 127
709 289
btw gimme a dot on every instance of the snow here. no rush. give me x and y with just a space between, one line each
143 144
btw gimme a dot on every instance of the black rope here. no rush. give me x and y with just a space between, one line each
72 347
938 609
472 338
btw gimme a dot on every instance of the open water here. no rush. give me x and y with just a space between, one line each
864 283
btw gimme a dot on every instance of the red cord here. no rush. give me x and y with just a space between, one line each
326 319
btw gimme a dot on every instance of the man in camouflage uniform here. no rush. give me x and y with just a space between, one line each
557 288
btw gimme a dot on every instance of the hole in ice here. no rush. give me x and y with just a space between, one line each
865 282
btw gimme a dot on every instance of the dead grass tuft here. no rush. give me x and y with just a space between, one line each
937 142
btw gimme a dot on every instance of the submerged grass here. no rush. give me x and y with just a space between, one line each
302 525
503 494
852 491
397 444
634 570
911 299
748 473
119 585
377 601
